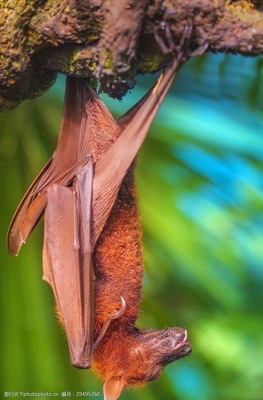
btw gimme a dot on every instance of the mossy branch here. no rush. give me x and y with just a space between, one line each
112 40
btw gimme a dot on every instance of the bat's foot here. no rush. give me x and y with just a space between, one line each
168 47
114 315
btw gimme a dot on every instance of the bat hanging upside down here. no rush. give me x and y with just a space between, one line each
92 254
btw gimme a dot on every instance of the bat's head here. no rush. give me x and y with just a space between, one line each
139 358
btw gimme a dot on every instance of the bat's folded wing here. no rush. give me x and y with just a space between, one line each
14 236
67 263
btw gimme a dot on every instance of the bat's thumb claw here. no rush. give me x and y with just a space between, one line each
114 315
119 313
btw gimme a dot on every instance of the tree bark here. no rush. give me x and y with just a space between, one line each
111 40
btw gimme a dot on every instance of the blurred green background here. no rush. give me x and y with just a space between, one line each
200 184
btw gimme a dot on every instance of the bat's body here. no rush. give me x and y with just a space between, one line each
92 243
127 356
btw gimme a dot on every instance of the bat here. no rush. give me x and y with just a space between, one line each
92 252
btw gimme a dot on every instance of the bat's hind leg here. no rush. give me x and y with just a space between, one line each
114 315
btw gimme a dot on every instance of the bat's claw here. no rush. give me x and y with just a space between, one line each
118 314
114 315
168 46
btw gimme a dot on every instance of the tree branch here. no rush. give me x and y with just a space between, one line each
111 40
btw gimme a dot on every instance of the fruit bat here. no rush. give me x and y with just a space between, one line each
92 253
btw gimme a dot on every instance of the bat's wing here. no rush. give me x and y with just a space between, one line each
14 236
112 167
84 116
84 113
67 262
59 169
160 88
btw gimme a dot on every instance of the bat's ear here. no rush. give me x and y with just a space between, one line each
113 387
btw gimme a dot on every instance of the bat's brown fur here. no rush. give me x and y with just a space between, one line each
117 256
126 353
118 260
119 271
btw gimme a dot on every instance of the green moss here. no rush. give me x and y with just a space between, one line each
32 36
93 66
150 64
75 57
108 63
16 65
71 68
